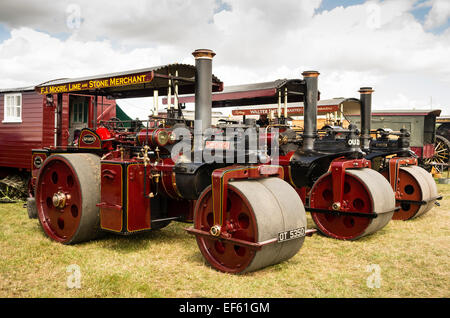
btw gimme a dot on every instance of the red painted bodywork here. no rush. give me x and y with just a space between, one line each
111 202
138 208
394 166
220 178
125 200
123 207
89 139
427 151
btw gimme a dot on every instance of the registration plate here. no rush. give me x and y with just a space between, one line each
291 235
218 145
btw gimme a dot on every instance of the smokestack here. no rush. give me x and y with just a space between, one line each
310 109
203 86
366 116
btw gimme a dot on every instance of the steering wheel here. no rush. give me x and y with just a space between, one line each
113 123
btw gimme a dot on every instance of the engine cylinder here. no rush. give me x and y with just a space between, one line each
157 137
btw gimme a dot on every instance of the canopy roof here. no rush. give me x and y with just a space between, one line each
133 83
443 119
403 112
254 94
297 109
17 89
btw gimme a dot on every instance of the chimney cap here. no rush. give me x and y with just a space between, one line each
366 90
203 53
310 74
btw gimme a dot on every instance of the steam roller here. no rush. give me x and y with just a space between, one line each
416 191
414 188
368 204
257 211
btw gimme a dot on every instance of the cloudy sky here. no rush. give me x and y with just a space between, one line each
399 47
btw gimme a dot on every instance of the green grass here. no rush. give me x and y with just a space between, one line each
413 257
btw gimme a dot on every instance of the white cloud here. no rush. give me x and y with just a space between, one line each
138 22
378 43
439 13
31 57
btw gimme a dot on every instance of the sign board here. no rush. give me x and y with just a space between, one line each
115 81
291 110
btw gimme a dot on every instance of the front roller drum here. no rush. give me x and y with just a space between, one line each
416 191
365 191
257 211
67 191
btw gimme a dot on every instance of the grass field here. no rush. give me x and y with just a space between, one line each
413 258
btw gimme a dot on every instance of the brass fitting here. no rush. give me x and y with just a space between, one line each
215 230
121 153
59 200
156 177
336 206
283 140
145 156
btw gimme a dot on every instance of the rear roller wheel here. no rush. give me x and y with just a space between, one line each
365 191
433 189
67 191
258 210
414 184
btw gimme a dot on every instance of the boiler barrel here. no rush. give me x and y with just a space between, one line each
157 137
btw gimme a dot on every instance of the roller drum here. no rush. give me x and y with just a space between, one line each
262 208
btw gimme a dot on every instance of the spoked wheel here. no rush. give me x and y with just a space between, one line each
67 191
365 191
441 153
414 184
257 210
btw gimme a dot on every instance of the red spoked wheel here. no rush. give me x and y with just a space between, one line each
257 210
365 191
414 184
67 191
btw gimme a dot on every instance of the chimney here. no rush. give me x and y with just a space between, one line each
310 109
203 87
366 116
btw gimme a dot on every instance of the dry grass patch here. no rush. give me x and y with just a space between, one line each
413 257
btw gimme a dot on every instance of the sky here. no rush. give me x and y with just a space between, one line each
401 48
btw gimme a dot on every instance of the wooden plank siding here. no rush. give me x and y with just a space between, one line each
17 139
37 127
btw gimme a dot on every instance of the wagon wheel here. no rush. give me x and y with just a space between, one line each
67 191
365 191
441 152
414 184
259 210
